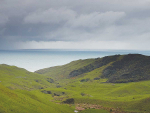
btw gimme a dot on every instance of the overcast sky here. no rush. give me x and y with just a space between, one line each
75 24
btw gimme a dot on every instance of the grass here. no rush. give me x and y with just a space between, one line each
22 101
61 72
94 111
18 78
20 92
23 91
125 96
113 95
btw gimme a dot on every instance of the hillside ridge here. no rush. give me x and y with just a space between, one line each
123 68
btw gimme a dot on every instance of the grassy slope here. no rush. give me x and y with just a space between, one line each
28 102
60 72
123 68
126 96
18 78
26 95
131 68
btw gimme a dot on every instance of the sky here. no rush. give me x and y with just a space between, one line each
75 24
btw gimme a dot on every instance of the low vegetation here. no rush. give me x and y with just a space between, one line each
113 84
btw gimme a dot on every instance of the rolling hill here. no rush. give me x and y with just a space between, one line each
20 92
117 68
112 84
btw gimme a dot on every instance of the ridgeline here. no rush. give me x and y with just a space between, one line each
118 68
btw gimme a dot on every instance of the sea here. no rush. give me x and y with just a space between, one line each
35 59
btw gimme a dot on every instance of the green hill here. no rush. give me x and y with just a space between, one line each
117 68
18 78
28 102
93 82
131 68
60 72
118 83
20 92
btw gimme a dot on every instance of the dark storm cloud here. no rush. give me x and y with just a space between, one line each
34 23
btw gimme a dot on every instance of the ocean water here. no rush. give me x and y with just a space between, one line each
33 60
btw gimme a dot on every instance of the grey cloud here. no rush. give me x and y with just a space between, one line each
87 26
52 16
3 19
96 19
73 20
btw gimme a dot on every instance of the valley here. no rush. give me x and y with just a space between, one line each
112 84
